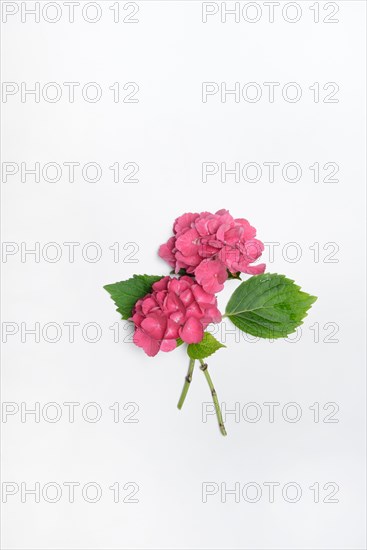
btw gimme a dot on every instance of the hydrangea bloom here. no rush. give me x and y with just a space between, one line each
208 244
176 308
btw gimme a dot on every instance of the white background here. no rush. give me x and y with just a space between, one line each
169 133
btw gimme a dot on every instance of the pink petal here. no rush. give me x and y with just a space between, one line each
184 261
174 287
255 269
230 257
149 345
154 326
188 281
206 224
194 311
178 317
212 315
172 303
166 253
222 229
212 286
161 284
187 297
137 319
172 330
168 345
203 297
207 251
160 297
233 235
222 212
148 304
184 222
224 216
249 231
192 331
187 243
252 250
211 274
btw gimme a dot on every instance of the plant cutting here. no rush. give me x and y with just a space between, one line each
172 310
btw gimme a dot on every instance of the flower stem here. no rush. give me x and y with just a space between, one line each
188 379
204 368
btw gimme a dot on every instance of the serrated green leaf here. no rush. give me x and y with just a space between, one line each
206 347
268 306
125 294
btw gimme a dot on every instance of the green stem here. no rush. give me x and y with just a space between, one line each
188 379
204 368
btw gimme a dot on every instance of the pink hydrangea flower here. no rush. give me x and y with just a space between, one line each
176 308
207 245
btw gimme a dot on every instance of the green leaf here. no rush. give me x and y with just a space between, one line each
179 342
206 347
181 272
268 306
125 294
234 275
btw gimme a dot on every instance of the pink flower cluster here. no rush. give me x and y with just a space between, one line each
207 245
176 308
